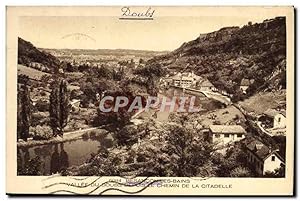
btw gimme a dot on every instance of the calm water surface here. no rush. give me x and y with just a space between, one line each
55 157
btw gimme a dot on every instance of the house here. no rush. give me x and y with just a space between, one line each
262 158
35 65
206 85
225 134
272 118
184 81
245 83
166 81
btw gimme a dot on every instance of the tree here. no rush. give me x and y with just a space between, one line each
151 88
103 72
188 152
141 61
232 164
69 67
24 109
31 167
59 108
128 135
114 120
240 172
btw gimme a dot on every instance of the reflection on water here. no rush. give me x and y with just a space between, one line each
58 157
59 161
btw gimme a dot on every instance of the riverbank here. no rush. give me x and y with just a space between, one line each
69 136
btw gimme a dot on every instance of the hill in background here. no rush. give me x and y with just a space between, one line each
254 51
28 53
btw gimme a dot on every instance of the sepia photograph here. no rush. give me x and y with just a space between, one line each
136 94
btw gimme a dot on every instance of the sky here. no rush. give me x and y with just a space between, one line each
160 34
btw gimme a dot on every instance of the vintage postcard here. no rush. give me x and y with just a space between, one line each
125 100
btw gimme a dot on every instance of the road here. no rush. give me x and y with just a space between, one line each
209 94
218 97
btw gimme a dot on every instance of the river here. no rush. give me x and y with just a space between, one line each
55 157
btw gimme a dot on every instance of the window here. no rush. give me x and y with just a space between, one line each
273 158
226 135
239 135
217 135
279 119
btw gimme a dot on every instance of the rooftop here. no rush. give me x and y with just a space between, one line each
227 129
180 77
261 150
273 112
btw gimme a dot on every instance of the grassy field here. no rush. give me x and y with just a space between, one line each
259 103
30 72
223 116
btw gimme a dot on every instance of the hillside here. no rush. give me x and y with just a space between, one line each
28 53
31 73
255 51
262 101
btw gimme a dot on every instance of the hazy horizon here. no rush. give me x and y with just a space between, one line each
100 49
97 33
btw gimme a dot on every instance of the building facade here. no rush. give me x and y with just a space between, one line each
245 83
180 80
274 118
262 158
223 135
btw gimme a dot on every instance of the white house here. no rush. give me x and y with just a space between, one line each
245 83
274 118
182 80
262 158
225 134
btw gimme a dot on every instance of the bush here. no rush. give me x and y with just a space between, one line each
85 136
42 106
42 132
240 172
31 167
75 94
42 93
39 118
92 134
